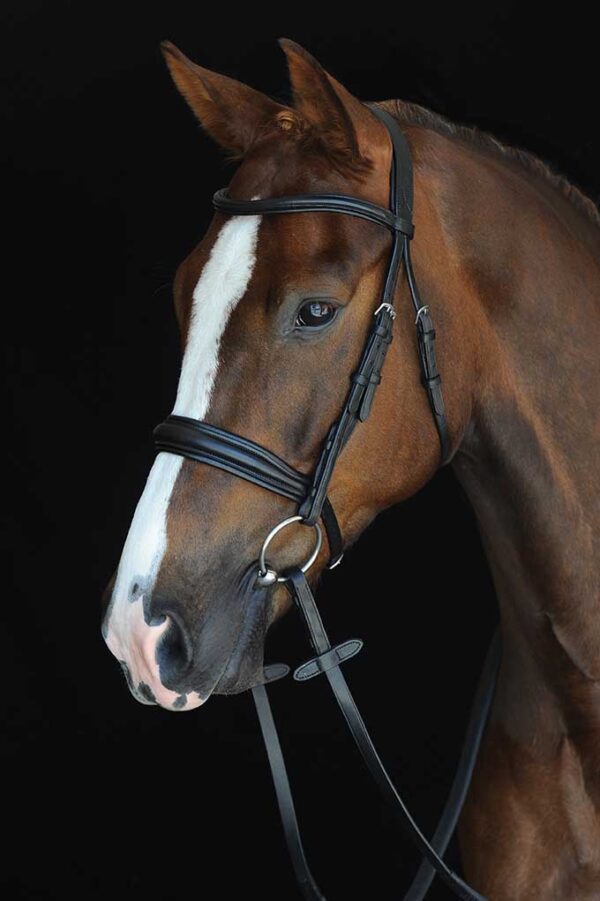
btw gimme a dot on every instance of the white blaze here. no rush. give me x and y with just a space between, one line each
222 283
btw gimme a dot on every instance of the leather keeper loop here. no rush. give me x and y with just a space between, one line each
274 671
328 660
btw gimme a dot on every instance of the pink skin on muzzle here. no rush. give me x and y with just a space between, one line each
134 643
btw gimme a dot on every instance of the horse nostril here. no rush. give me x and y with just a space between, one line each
174 652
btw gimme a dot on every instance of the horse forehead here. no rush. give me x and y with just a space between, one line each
322 250
296 244
272 167
282 165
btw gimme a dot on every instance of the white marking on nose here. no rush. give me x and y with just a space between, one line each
223 282
136 645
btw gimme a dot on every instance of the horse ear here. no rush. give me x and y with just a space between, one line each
231 112
330 108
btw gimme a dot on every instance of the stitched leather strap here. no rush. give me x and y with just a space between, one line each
304 599
356 409
334 534
478 717
323 662
217 447
401 173
401 196
314 203
452 808
430 377
209 444
287 810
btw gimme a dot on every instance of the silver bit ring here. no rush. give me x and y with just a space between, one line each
268 576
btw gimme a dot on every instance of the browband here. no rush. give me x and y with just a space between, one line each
314 203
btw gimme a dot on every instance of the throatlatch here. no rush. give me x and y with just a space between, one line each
244 458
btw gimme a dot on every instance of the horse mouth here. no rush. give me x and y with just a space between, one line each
143 693
244 667
140 691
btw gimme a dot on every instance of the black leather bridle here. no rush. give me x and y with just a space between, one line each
217 447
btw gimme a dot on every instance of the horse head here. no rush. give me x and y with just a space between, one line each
273 313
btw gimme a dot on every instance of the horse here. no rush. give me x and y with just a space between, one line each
273 312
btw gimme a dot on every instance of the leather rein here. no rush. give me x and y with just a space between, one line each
239 456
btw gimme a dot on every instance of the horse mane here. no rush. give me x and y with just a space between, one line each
413 114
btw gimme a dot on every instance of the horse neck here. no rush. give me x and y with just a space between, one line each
528 315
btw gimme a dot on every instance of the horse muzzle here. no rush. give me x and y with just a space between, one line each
170 660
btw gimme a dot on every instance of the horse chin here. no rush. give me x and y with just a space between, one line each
235 682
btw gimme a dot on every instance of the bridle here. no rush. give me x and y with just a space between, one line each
209 444
224 450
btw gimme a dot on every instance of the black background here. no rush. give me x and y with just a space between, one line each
108 186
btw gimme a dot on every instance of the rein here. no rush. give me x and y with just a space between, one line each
239 456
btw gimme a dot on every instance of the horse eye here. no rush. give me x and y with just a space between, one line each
315 313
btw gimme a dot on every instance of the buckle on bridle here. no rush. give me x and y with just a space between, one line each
268 576
420 312
388 307
336 562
